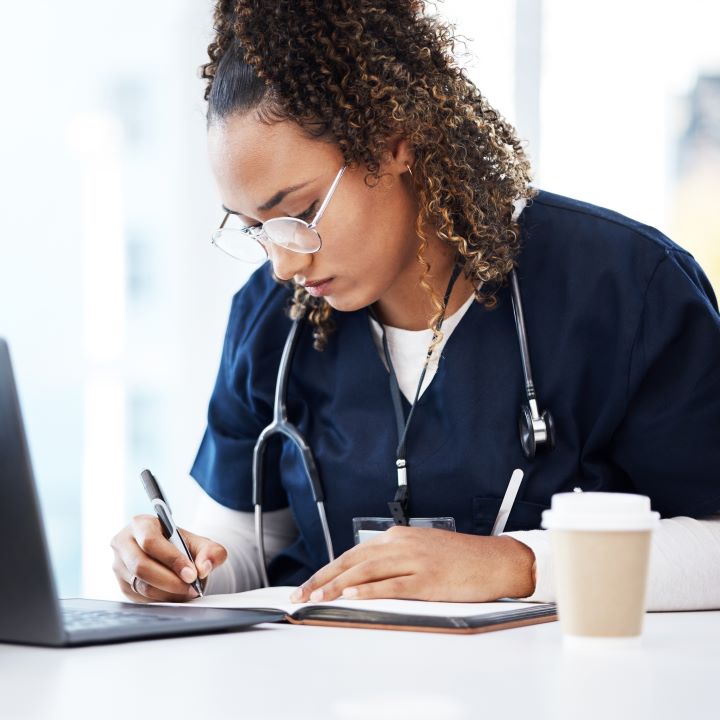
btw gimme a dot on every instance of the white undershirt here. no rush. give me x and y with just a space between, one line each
408 350
685 553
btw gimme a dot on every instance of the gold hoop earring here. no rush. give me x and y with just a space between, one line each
409 170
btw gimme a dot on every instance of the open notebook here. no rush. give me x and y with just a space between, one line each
414 615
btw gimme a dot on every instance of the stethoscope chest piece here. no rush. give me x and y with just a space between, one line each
535 431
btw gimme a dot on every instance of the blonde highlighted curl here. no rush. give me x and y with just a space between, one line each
359 72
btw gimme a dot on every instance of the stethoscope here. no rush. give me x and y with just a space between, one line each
536 429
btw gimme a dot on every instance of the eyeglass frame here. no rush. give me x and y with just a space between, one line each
256 232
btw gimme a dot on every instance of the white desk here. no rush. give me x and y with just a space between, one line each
306 673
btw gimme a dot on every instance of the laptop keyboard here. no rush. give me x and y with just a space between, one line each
89 619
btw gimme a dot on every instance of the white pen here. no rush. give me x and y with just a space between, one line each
507 501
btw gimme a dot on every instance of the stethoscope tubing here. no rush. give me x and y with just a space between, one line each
522 335
281 426
537 427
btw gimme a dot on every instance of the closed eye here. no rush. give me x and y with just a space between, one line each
308 214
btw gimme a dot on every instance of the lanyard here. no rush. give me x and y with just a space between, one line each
399 506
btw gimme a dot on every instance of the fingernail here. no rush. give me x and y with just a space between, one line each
187 574
350 593
296 595
316 595
207 568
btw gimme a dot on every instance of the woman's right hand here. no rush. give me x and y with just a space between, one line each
161 573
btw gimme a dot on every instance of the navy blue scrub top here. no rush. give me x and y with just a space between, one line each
624 338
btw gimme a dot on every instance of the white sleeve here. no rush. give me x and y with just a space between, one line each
684 569
235 530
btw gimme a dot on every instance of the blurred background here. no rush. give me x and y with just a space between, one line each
111 297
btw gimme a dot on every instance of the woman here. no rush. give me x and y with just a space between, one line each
352 117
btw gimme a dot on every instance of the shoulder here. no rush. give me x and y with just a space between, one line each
587 238
258 315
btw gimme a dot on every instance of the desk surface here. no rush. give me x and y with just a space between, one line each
298 673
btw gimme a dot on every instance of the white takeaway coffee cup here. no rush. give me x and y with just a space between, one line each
601 551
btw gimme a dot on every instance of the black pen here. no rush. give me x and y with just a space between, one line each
169 529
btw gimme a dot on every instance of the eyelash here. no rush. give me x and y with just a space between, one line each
308 213
303 216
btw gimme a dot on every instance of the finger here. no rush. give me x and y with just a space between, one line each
143 592
149 593
379 554
125 578
148 535
327 573
403 587
207 553
129 593
145 567
378 568
152 594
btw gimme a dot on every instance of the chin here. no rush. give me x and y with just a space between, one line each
347 303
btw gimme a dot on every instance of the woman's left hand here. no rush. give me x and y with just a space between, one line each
426 564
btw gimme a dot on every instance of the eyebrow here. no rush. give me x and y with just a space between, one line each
276 199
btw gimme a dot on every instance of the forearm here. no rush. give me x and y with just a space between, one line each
235 530
684 571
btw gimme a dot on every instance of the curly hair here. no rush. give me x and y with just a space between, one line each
357 73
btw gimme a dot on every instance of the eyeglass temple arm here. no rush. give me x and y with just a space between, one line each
328 198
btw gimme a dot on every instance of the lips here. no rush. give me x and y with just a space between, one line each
315 283
318 288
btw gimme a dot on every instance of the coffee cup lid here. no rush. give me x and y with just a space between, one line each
599 511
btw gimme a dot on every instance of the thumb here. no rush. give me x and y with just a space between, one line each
207 553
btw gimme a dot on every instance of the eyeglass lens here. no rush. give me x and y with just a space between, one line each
292 234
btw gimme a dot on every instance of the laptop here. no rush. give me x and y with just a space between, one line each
30 611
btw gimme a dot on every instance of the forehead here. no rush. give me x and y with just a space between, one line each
252 160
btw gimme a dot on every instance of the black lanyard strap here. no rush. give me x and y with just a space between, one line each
399 506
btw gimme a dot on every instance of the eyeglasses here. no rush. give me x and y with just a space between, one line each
249 242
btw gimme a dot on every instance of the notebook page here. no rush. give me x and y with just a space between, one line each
279 598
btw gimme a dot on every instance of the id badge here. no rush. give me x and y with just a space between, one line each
365 528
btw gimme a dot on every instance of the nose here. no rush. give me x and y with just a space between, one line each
287 263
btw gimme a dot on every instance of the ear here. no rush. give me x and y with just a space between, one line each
398 156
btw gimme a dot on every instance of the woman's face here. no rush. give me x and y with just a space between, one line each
369 243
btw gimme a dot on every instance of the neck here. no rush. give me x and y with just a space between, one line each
407 304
